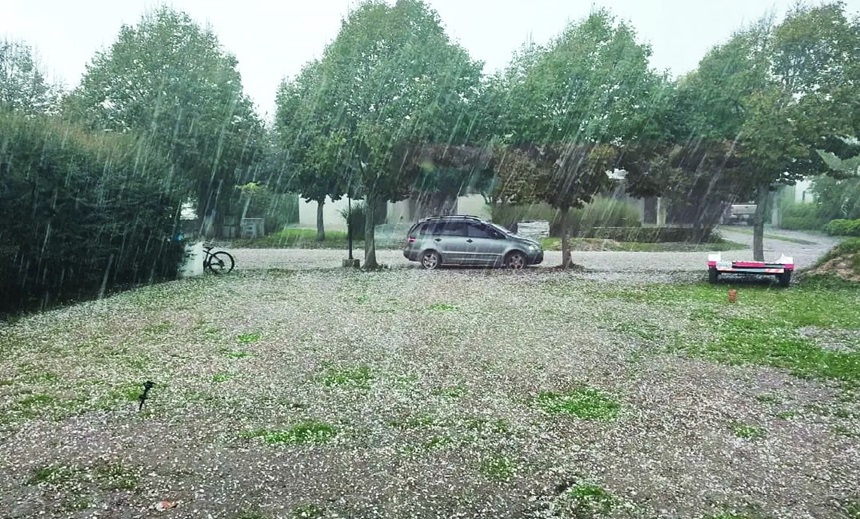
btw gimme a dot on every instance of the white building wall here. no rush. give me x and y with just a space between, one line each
473 205
332 218
803 192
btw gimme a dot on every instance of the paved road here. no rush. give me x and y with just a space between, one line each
804 255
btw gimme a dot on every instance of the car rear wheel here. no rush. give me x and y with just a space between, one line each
431 260
713 275
784 278
515 260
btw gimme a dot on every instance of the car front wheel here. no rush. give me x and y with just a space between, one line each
515 261
431 260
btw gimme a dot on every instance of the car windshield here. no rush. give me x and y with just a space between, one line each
501 228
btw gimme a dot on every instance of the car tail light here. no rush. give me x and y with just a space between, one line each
410 239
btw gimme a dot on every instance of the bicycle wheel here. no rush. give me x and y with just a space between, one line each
221 263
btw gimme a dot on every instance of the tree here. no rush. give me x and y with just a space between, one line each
23 88
169 80
771 91
313 144
396 81
568 109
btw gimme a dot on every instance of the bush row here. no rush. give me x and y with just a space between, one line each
602 212
651 234
843 228
81 213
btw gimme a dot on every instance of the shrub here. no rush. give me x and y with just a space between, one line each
357 219
800 217
843 228
81 213
652 234
602 212
837 199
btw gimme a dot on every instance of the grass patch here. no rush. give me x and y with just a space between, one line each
221 377
596 244
437 442
585 403
355 378
769 398
588 500
499 468
300 434
763 327
107 476
449 392
248 338
414 422
442 307
158 329
770 236
296 238
234 354
748 432
116 476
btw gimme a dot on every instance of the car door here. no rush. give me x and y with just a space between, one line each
450 239
485 244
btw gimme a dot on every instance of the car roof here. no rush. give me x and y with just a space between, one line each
451 217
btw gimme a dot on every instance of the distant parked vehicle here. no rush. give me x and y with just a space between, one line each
738 213
468 241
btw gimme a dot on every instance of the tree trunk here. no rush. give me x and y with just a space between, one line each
320 226
762 194
369 236
564 217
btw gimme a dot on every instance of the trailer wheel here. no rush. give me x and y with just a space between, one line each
713 275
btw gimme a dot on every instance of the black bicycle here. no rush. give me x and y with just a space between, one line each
220 262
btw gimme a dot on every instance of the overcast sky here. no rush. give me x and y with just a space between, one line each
273 38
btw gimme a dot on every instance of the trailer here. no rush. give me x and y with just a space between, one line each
782 268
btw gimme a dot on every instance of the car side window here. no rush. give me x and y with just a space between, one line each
452 229
479 231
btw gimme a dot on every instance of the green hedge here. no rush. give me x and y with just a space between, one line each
82 213
651 234
602 212
800 217
843 228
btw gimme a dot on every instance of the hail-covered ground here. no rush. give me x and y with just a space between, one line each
406 393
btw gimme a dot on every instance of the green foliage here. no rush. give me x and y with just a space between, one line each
23 88
583 402
748 432
588 498
800 217
311 432
83 213
766 332
356 216
313 147
837 199
395 81
499 468
358 378
255 200
602 212
565 109
650 234
843 228
169 80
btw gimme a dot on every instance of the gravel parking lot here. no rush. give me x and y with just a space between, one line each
804 255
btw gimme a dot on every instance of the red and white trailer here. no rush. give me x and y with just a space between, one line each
781 268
